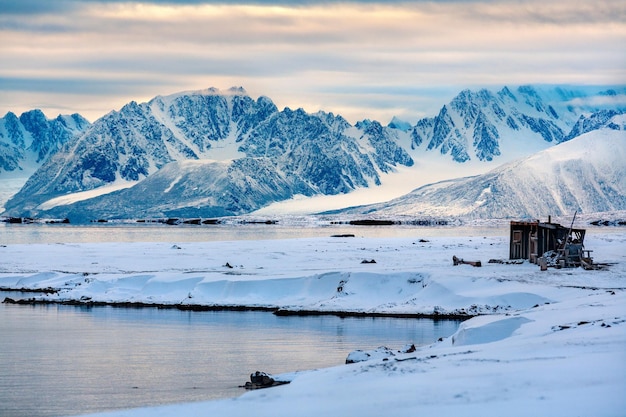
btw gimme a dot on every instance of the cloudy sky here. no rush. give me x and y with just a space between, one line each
362 59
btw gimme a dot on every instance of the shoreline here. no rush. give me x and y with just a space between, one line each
278 311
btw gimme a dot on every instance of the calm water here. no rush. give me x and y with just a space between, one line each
111 232
62 360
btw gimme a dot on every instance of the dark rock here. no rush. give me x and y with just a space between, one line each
372 222
262 380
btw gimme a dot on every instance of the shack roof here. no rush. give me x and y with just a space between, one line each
537 223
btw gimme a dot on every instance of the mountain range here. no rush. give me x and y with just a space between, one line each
586 174
210 153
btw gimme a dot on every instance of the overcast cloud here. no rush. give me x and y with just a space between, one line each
358 58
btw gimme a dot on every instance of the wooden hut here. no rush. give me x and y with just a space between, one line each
532 239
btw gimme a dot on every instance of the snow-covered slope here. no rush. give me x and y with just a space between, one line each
586 174
188 189
291 155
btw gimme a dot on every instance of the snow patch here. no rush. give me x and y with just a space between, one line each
85 195
487 330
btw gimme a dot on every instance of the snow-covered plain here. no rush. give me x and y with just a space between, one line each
545 343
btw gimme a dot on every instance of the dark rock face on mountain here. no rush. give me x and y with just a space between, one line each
472 125
594 121
27 141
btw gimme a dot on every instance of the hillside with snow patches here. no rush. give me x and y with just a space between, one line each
586 174
218 153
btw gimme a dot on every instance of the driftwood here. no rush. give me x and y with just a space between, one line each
458 261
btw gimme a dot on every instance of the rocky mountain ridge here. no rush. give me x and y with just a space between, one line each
586 174
249 154
27 141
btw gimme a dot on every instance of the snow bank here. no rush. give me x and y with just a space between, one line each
319 274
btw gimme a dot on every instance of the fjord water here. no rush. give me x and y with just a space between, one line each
144 232
63 360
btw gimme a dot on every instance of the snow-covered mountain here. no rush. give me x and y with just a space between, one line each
208 153
264 155
484 125
27 141
585 174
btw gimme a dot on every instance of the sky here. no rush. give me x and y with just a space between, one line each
360 59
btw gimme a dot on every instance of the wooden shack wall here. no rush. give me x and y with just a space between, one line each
520 236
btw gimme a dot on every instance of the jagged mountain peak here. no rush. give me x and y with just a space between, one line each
484 125
506 92
28 140
397 123
595 121
209 91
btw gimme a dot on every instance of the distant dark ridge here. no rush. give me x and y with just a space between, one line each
608 223
47 290
30 220
137 304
